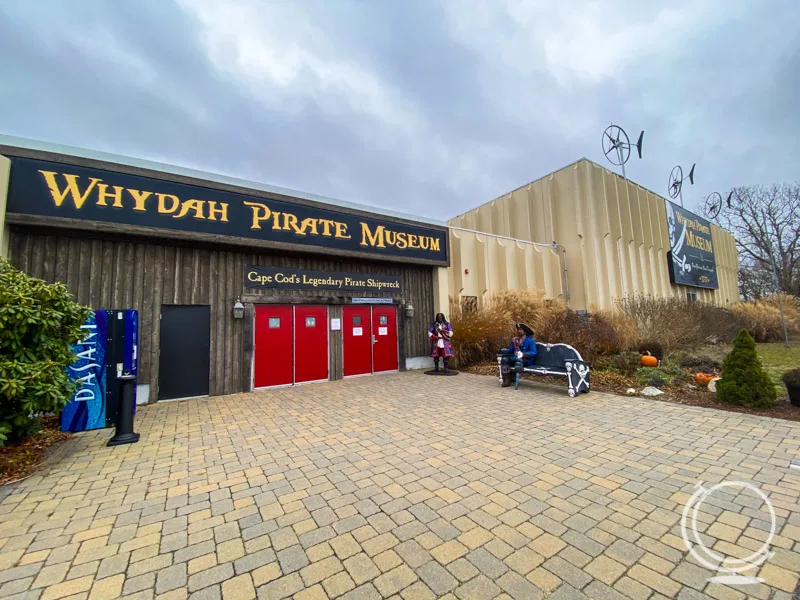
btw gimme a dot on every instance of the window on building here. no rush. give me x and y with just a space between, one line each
274 322
311 321
356 319
691 296
469 304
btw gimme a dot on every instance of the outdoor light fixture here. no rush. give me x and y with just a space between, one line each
238 309
409 309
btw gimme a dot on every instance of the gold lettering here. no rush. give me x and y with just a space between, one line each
435 244
424 242
327 224
275 216
139 199
162 206
261 212
195 205
372 239
72 188
308 224
390 237
252 276
213 211
402 240
102 192
412 241
290 220
341 231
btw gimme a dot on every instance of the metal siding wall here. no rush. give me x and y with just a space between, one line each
614 232
144 274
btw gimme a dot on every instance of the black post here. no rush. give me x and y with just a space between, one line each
124 433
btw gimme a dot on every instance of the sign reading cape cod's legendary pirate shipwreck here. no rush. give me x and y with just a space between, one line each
691 257
52 189
279 278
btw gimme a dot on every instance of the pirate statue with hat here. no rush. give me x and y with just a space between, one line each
521 352
440 333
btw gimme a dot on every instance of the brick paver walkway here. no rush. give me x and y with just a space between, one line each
403 486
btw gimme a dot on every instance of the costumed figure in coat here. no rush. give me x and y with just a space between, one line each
440 333
521 352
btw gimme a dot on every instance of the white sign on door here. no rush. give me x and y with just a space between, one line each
383 331
358 331
336 324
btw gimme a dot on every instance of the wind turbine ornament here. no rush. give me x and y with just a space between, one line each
617 146
676 180
714 204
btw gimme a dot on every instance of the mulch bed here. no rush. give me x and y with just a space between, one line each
18 461
613 383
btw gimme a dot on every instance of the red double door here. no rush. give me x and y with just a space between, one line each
369 335
291 345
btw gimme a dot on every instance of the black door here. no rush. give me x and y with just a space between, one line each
183 359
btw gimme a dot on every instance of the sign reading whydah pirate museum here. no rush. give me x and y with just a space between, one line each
279 278
691 257
52 189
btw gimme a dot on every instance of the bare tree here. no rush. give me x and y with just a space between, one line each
760 217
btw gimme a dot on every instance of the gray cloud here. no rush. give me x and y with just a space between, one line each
429 108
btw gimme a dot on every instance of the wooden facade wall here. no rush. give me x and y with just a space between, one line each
107 271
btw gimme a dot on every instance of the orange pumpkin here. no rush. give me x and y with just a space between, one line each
649 361
703 378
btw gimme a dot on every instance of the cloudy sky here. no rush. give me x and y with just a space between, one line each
424 106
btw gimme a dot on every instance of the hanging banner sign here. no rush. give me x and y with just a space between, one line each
50 189
279 278
691 257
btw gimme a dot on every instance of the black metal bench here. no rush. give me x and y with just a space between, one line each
560 360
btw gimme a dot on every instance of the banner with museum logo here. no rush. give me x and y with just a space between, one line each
50 189
691 257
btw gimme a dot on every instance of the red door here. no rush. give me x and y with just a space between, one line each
357 349
384 335
273 346
310 343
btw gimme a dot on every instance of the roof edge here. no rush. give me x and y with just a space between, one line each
42 146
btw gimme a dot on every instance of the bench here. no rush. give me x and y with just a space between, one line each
560 360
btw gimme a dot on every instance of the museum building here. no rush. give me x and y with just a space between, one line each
238 286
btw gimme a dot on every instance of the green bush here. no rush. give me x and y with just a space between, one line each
626 363
668 374
744 381
39 323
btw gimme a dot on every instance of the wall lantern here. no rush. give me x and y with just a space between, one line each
409 310
238 309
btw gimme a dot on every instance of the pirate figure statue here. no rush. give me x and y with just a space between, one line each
521 352
440 333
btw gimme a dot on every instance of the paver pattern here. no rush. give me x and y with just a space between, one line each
403 486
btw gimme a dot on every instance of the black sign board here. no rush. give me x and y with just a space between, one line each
691 256
52 189
279 278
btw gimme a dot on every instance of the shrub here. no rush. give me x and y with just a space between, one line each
675 323
744 381
653 348
762 318
667 374
626 363
698 364
791 379
478 333
38 325
625 330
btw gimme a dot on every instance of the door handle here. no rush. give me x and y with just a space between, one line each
374 340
